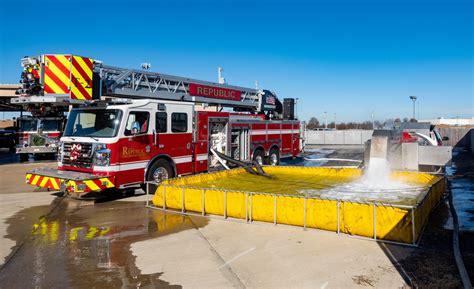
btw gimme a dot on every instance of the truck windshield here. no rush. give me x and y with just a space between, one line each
93 122
28 125
50 124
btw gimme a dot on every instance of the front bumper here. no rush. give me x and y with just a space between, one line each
36 150
69 181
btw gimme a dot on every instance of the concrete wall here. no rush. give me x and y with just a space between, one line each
450 121
337 137
458 136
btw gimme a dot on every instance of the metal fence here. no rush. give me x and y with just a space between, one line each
416 215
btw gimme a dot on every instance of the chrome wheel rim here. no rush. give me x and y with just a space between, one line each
273 159
160 174
259 160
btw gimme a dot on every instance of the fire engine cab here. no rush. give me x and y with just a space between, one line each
133 126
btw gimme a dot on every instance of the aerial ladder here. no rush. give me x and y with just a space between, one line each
84 80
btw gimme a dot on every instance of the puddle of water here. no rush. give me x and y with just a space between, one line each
462 189
87 246
311 154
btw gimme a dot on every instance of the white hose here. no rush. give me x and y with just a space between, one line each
219 159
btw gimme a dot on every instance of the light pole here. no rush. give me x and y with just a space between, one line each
296 107
413 98
325 119
373 122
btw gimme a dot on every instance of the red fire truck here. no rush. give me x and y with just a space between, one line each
38 133
135 126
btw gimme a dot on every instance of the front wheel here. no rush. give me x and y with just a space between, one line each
159 171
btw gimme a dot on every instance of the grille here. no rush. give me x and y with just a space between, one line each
84 159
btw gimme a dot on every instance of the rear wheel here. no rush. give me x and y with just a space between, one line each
259 157
274 157
159 171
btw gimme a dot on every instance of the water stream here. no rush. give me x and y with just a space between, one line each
376 185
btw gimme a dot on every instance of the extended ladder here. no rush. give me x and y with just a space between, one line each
144 84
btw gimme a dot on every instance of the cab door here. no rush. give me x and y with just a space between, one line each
135 146
177 141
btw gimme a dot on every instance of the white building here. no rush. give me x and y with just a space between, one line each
450 121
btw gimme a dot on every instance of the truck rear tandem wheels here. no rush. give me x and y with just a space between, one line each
131 126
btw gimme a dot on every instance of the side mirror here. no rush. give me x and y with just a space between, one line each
445 138
135 128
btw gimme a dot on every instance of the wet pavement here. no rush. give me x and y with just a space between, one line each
85 245
461 177
350 152
7 157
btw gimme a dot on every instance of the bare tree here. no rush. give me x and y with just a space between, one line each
313 123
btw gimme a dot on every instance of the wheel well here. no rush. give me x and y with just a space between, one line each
160 157
259 148
274 147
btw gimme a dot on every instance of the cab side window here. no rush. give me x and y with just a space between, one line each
161 122
141 117
179 122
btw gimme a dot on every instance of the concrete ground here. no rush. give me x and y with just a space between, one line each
226 254
52 242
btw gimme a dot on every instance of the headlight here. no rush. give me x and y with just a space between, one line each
99 146
102 157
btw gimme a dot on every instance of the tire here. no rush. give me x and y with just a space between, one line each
259 157
24 157
159 171
273 157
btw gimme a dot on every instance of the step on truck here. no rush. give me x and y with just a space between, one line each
132 126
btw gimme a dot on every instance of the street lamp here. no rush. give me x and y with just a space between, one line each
413 98
325 119
296 108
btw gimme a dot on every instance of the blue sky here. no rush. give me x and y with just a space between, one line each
351 58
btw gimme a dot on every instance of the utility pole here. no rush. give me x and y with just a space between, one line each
296 108
413 98
326 119
373 122
418 110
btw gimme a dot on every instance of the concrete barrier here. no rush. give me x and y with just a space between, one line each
337 137
458 136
